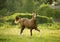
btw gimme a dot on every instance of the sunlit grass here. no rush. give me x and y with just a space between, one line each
13 35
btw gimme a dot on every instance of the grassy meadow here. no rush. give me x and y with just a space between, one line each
10 32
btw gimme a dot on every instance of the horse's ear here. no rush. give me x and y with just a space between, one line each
17 17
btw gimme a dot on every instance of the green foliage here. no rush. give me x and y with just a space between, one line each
51 26
20 5
28 6
57 14
3 12
10 5
44 19
46 10
24 6
2 4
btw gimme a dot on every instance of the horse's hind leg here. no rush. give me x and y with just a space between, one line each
22 30
37 29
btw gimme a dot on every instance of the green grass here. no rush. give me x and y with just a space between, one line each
12 35
16 38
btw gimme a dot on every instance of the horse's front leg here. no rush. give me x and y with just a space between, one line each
31 32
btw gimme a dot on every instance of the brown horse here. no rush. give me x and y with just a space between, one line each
29 23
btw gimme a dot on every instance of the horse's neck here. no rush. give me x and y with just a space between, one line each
33 19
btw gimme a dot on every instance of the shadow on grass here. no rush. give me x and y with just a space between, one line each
4 40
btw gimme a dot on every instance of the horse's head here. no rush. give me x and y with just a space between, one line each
34 15
17 19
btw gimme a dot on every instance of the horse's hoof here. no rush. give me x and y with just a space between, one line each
40 34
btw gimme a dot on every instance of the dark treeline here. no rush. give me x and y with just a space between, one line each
10 6
22 5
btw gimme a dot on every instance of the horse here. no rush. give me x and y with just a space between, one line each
29 23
